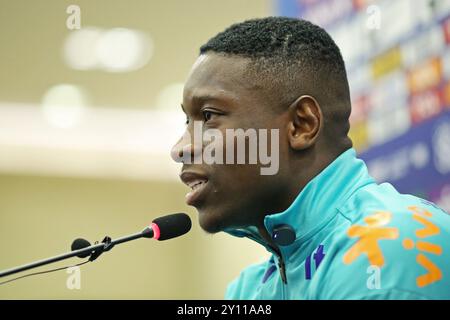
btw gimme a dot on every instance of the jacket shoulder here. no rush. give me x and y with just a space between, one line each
394 243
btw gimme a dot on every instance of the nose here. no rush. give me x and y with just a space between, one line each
180 151
184 150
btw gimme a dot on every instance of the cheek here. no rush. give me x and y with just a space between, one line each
238 185
232 176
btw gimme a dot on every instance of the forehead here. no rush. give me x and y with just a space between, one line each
215 76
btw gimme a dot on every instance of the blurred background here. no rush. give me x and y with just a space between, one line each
89 109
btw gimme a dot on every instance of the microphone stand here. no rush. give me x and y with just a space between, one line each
94 251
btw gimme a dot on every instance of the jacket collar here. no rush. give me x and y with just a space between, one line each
316 204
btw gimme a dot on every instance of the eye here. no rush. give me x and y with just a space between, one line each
207 115
187 120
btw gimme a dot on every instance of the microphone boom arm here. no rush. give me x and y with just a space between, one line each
94 251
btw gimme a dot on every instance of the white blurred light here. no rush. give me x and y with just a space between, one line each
441 148
419 155
114 50
63 105
171 97
79 52
169 100
107 143
121 50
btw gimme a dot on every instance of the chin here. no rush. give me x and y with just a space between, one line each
211 222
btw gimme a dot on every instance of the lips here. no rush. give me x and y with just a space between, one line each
198 184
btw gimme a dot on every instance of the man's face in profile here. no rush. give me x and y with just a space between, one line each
220 95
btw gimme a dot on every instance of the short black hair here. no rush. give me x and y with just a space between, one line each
293 56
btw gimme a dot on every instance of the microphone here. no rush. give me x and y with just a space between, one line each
162 228
170 226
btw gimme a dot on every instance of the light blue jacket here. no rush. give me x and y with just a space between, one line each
355 239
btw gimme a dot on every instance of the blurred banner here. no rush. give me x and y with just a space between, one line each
397 55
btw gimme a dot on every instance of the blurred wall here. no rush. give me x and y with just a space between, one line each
99 177
40 216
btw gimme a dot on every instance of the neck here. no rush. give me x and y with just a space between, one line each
306 169
316 161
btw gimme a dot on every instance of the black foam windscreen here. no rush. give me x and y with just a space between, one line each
80 243
173 225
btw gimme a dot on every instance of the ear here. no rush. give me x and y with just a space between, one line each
305 123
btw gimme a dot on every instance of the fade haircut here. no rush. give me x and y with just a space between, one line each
288 58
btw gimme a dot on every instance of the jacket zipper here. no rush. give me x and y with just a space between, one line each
282 268
281 264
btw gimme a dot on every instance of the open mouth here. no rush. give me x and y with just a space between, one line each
197 190
198 183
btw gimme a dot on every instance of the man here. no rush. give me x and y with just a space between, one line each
332 231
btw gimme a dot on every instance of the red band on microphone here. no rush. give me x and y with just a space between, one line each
156 231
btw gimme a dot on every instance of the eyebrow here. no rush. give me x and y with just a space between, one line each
201 99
